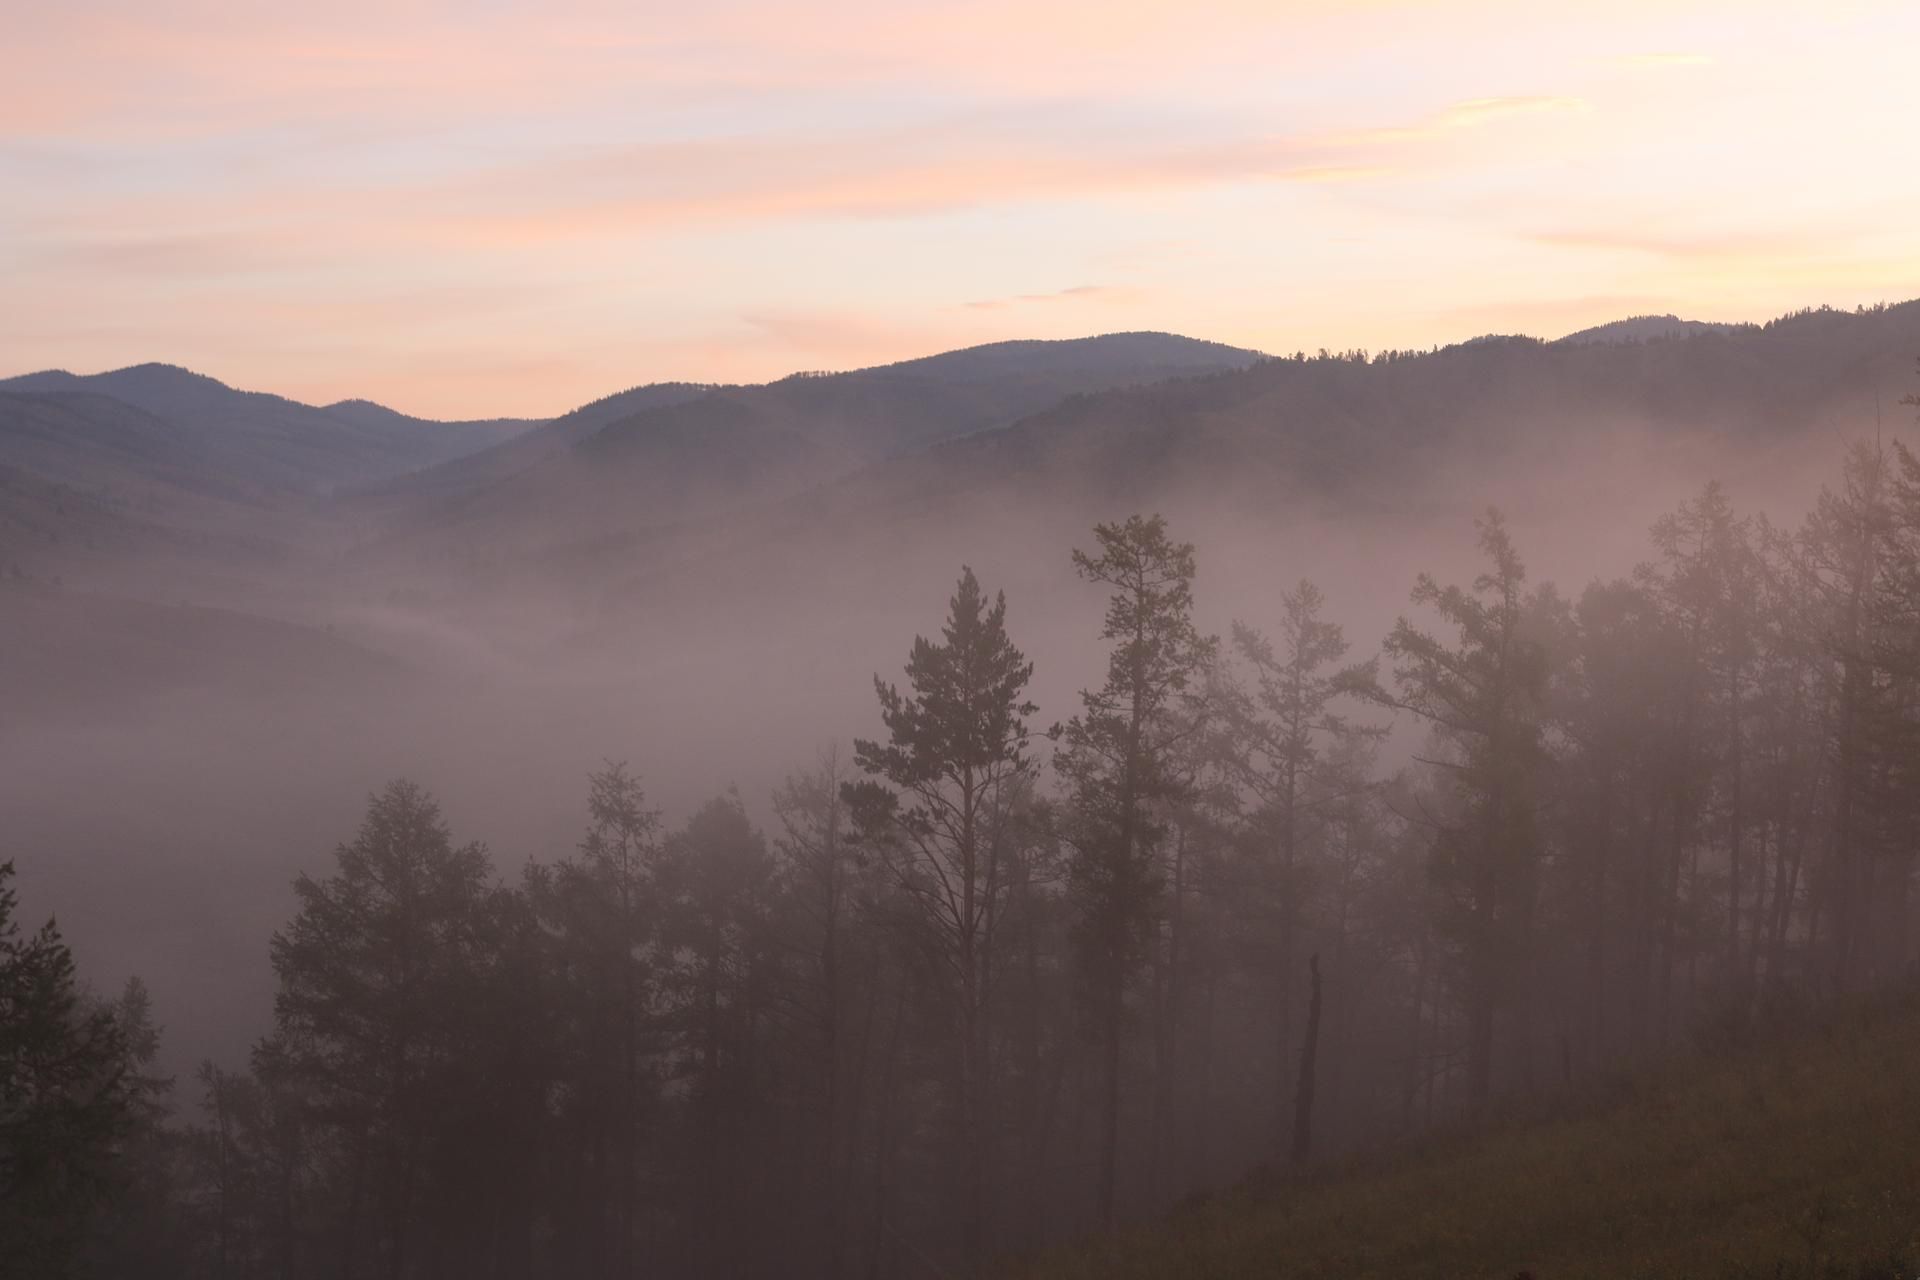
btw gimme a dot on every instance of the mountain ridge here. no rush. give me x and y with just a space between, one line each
1647 328
269 439
599 471
1115 418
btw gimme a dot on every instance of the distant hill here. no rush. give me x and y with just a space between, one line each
1336 430
1788 1160
483 431
817 465
85 477
1140 357
529 448
268 441
1340 450
83 438
662 454
1648 329
157 460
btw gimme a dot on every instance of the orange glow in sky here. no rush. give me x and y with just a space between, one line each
491 208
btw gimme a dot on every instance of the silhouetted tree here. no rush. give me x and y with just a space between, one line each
716 955
597 915
949 771
140 1233
69 1097
1842 551
1483 697
1114 757
1290 745
822 926
376 973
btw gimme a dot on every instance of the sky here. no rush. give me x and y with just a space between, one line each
487 207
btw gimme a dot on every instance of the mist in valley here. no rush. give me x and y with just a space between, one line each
187 738
207 690
1045 641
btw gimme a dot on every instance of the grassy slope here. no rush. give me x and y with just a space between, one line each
1794 1159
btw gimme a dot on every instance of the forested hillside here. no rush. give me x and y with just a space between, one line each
660 456
266 440
967 639
984 982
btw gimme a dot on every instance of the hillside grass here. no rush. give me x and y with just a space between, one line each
1796 1157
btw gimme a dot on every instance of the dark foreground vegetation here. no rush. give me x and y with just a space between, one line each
1780 1156
979 986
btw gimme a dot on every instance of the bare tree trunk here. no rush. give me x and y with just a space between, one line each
1669 918
1597 940
1202 1128
1283 1021
1116 993
1417 1039
1110 1100
1166 1037
1309 1048
1483 977
883 1142
1736 821
356 1198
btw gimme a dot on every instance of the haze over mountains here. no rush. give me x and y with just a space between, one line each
418 539
267 440
658 455
154 459
763 641
249 611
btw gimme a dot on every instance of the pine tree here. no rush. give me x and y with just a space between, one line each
938 812
1289 743
1115 757
1483 696
598 915
824 897
142 1234
1841 554
69 1097
716 948
377 973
